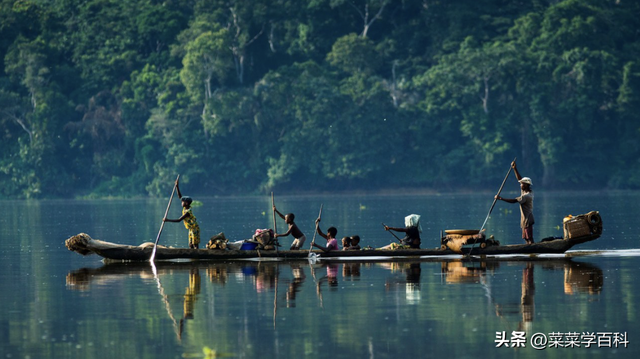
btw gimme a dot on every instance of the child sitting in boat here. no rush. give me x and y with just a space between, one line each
346 243
332 242
297 234
355 243
189 219
351 243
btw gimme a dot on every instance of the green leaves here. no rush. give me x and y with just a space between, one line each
112 97
205 64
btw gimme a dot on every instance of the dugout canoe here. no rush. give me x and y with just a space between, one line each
83 244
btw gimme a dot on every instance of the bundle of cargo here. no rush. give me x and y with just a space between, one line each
454 239
582 225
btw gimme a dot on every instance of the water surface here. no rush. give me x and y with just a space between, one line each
57 304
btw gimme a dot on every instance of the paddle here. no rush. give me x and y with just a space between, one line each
275 230
494 198
494 203
153 253
385 226
314 232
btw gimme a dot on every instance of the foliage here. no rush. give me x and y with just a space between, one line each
111 98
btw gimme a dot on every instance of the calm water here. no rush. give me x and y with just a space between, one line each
57 304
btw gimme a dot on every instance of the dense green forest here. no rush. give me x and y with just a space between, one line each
115 98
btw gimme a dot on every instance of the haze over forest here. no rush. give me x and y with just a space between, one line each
115 98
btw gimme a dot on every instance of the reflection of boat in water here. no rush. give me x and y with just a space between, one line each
404 278
232 297
579 277
583 278
466 271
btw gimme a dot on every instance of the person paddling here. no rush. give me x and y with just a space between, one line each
526 205
294 230
412 229
189 219
332 242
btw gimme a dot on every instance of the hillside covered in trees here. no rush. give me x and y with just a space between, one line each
114 98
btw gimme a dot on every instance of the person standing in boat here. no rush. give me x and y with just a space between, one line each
294 230
526 204
189 219
332 242
412 237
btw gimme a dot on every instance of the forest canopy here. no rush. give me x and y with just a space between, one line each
115 98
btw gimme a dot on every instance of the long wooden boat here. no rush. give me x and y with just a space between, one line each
83 244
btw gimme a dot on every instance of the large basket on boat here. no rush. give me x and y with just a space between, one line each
582 225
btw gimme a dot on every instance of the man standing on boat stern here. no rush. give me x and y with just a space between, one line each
526 205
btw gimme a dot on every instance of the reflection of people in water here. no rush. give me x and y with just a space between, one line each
331 278
578 278
351 270
528 290
413 273
411 281
294 286
266 278
190 296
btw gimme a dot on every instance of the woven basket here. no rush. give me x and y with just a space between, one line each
577 227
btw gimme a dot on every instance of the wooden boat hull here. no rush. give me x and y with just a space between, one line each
84 244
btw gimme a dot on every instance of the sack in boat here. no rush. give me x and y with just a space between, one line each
458 238
265 238
218 242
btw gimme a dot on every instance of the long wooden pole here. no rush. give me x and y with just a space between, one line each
274 214
494 198
384 225
493 205
316 231
275 227
166 212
